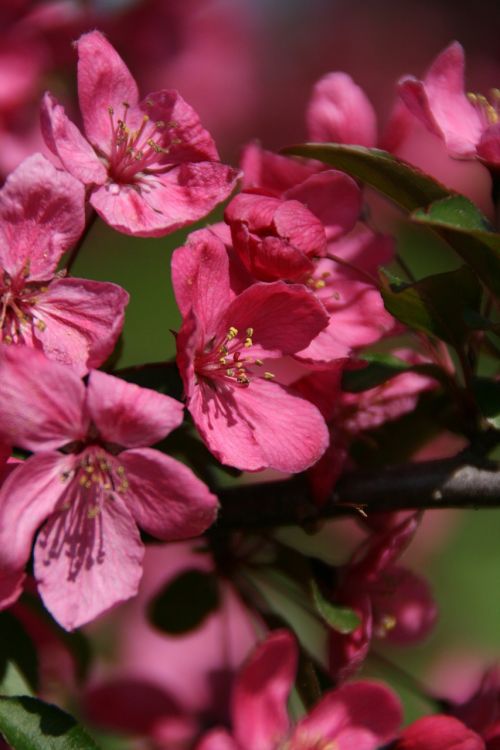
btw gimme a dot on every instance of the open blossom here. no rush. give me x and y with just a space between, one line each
469 124
225 350
360 716
149 165
91 480
75 321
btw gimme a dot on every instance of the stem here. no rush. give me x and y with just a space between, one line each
74 253
446 483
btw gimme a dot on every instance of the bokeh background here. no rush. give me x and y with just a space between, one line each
247 67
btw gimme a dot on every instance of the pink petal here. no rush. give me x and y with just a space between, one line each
224 429
165 497
439 101
290 431
439 733
260 716
41 216
65 140
11 588
161 204
489 146
333 197
284 317
340 112
217 739
200 277
103 81
28 496
128 415
83 320
191 142
86 563
270 258
255 209
41 402
327 346
300 226
361 716
268 171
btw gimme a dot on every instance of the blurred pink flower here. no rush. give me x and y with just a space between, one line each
246 420
150 166
74 321
94 490
361 716
438 733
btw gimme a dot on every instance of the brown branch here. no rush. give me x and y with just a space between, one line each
448 483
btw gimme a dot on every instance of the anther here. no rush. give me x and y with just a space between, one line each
269 375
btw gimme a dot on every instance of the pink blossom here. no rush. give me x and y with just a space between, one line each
90 481
223 350
75 321
150 166
439 733
392 602
361 716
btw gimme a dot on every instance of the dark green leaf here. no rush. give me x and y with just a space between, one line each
436 304
487 394
16 646
341 619
383 367
465 228
31 724
159 376
405 185
184 603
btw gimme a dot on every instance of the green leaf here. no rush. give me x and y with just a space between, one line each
341 619
12 681
407 186
159 376
436 304
465 228
184 603
31 724
381 368
16 647
487 394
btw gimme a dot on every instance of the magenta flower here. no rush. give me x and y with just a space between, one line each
75 321
150 166
439 733
361 716
224 349
90 481
468 124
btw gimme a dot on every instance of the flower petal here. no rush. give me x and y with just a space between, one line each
27 497
439 733
290 431
41 402
340 112
103 81
82 321
128 415
41 216
65 140
260 716
86 563
166 499
360 716
217 739
11 588
271 172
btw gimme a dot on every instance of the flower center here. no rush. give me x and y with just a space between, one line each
134 151
488 108
18 314
305 741
96 478
228 360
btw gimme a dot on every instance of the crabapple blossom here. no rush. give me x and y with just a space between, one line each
90 481
74 321
360 716
223 348
150 167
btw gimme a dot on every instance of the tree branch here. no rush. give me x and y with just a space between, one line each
446 483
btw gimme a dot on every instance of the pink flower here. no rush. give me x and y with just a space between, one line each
392 601
223 349
75 321
439 733
361 716
89 482
468 124
150 166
